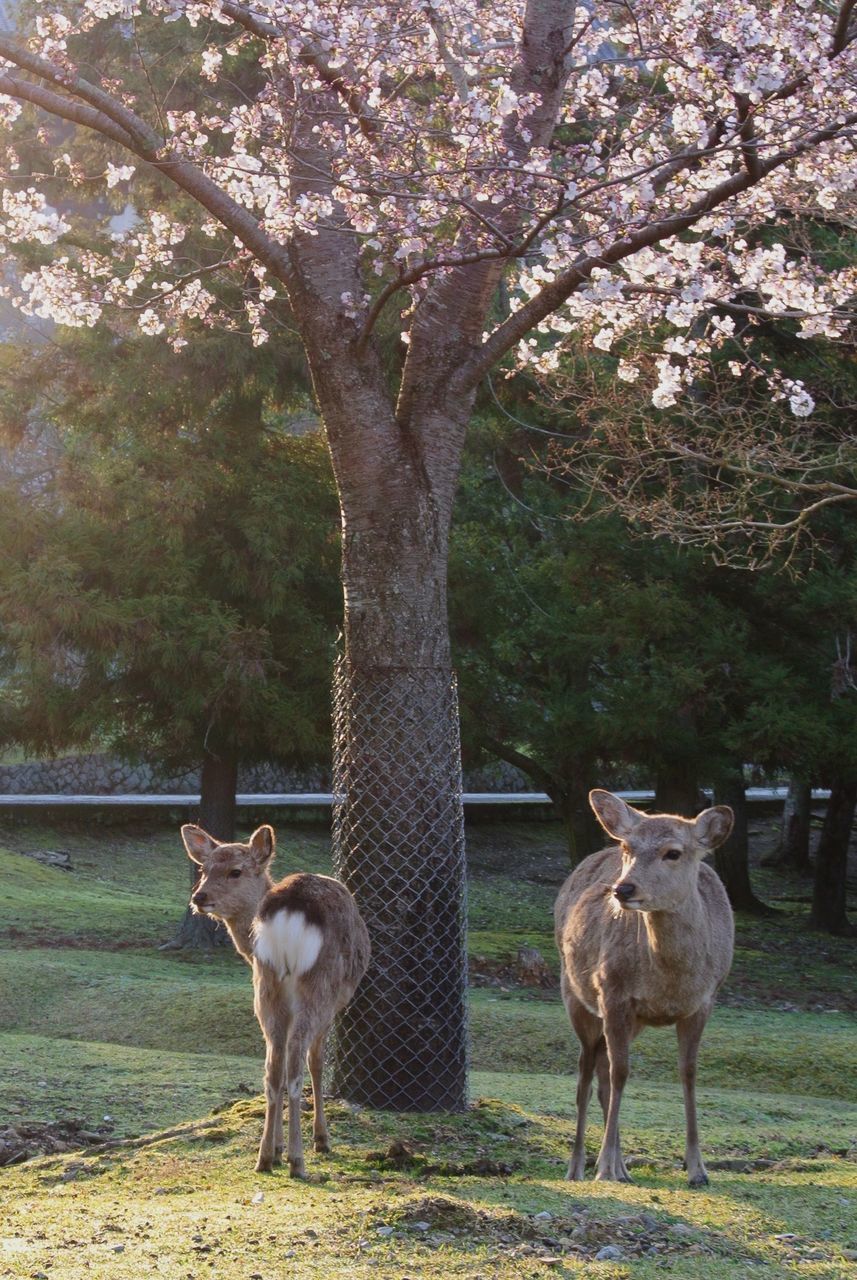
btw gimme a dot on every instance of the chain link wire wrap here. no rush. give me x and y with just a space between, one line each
398 845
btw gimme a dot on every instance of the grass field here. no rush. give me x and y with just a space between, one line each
158 1054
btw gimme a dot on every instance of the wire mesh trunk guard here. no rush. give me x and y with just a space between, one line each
398 844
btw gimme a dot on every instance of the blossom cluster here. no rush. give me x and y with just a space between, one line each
418 130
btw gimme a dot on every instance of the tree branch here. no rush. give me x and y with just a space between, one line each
313 56
102 113
840 34
144 139
64 108
552 296
251 22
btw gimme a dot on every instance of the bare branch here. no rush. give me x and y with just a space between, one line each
841 34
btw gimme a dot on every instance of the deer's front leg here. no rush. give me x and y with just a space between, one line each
689 1032
271 1146
619 1031
588 1030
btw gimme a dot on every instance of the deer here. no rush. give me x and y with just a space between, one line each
308 947
645 933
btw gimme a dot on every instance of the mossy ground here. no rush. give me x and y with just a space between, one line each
95 1022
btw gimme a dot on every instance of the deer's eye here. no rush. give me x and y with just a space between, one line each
672 855
234 873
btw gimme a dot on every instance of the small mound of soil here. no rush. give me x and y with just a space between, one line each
25 1141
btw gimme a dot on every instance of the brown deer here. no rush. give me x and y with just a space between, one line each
645 934
308 948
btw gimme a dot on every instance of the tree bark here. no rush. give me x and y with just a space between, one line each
398 819
677 789
732 859
797 815
218 784
583 832
831 859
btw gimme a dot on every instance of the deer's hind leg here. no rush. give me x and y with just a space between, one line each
273 1018
315 1062
590 1032
271 1146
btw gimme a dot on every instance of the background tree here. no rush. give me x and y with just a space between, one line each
591 654
169 584
410 157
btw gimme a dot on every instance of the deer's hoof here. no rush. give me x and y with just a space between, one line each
321 1145
698 1180
297 1169
265 1164
613 1173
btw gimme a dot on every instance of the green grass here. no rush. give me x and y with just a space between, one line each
95 1022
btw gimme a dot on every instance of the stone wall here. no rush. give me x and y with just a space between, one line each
106 775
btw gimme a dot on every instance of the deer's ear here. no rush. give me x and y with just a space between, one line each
616 817
198 843
263 845
713 826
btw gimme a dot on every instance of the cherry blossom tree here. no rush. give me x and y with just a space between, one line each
613 165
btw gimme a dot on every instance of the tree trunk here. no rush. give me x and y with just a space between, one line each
677 789
732 860
398 816
399 845
794 842
584 834
831 859
218 785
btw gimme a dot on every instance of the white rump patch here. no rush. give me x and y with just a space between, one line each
287 943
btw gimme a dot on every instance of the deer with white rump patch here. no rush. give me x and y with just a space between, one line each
308 948
645 933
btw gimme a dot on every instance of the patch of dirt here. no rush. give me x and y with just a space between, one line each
26 1141
401 1156
529 968
579 1234
59 858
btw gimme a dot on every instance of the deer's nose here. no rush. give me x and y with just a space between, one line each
623 890
199 899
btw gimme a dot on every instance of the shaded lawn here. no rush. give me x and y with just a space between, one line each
95 1022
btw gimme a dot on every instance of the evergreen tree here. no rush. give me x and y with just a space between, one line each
170 581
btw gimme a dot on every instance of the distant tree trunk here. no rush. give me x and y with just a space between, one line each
793 849
732 859
583 832
677 789
831 859
218 784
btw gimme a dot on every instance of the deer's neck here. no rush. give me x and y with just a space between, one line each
240 925
675 935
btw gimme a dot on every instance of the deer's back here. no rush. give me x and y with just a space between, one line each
606 948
